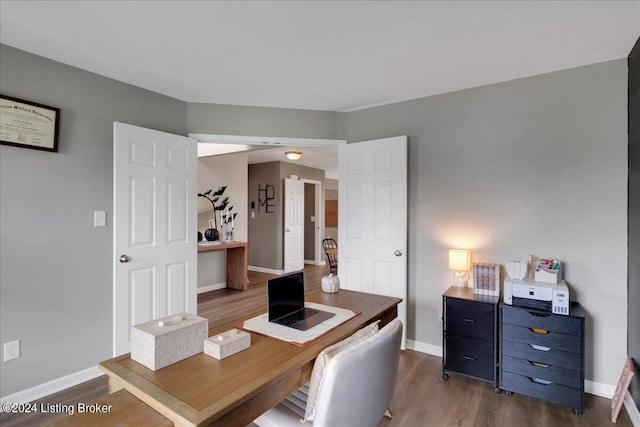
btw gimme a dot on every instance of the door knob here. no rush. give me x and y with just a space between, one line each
125 258
398 252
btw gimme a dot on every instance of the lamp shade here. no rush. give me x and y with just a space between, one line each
459 260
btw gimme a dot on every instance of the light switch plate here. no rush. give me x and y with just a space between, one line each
99 218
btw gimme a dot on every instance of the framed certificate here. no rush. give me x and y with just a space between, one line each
27 124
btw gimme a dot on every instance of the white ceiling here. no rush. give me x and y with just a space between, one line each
315 157
336 56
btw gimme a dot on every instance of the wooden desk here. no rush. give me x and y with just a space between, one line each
201 390
237 262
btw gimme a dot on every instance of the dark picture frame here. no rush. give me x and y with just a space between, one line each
28 124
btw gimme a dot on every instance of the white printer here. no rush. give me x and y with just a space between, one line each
552 297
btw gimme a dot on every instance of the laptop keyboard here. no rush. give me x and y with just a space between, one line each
298 316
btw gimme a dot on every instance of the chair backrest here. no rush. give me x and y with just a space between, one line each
332 257
358 383
329 243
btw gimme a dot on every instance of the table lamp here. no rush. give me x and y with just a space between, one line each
460 262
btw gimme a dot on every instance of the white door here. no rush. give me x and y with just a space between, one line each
372 213
293 225
155 249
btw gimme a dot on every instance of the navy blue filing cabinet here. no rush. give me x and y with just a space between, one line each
542 354
470 334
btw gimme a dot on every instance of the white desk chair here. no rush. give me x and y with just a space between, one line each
356 387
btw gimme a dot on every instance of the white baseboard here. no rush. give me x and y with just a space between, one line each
422 347
591 387
632 410
54 386
265 270
214 287
599 389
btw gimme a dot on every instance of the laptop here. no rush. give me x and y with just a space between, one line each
286 303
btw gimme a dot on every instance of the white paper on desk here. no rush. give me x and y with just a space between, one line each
260 324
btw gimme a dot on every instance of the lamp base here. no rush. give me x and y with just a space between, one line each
460 279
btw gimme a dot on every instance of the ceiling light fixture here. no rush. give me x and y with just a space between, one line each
293 155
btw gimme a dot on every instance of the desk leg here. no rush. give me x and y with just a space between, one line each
115 385
237 266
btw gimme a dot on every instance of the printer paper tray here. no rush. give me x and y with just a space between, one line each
532 303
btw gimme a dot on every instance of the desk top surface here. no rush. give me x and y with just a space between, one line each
210 246
202 388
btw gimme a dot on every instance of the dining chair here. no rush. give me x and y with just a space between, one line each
355 388
331 251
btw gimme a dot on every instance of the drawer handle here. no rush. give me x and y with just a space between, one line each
539 347
539 314
539 331
539 365
469 357
468 320
541 381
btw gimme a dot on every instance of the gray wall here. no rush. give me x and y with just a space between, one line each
56 268
309 226
534 165
265 228
634 218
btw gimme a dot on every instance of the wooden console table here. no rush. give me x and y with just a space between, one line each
237 262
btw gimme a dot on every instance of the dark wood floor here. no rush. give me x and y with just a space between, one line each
422 397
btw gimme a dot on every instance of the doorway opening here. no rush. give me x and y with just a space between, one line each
267 252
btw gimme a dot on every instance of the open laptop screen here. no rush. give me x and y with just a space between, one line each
286 295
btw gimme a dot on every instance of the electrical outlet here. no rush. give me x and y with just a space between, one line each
11 350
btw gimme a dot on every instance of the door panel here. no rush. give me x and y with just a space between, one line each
155 224
293 225
373 218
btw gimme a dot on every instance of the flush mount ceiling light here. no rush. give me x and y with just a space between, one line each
293 155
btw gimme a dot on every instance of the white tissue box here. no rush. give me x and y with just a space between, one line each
162 342
548 276
227 343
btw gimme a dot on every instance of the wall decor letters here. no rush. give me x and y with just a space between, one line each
266 197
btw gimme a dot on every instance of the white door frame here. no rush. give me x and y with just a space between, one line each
319 224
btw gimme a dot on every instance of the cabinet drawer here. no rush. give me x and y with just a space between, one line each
555 374
551 392
470 319
556 340
470 357
535 319
552 356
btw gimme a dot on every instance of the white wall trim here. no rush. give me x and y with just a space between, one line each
265 270
422 347
632 410
214 287
268 140
591 387
54 386
599 389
